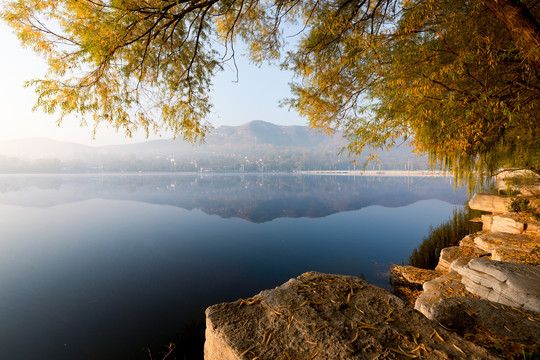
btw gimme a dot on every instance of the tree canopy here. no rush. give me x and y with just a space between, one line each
459 77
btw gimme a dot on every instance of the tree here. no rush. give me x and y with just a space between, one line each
445 73
460 77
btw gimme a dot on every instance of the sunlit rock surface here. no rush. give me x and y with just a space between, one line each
515 256
453 253
507 283
508 223
436 290
415 275
321 316
469 240
507 241
495 204
487 222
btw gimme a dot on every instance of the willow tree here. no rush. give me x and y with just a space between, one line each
458 77
445 73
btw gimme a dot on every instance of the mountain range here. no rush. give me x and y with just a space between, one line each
253 146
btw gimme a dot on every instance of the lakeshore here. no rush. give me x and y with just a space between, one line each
401 173
482 301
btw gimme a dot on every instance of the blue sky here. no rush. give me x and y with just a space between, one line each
255 97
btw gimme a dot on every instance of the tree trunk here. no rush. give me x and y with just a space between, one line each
522 26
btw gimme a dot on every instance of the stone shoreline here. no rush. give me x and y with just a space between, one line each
490 283
483 295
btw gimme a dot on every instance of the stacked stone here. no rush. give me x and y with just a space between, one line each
492 280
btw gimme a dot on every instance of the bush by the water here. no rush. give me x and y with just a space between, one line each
447 234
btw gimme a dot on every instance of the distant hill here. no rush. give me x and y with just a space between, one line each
36 148
249 135
255 146
233 139
260 132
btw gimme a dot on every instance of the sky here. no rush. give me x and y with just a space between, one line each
255 96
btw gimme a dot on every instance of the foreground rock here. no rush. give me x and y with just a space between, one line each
511 284
320 316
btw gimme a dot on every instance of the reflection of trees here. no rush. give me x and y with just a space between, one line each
447 234
254 197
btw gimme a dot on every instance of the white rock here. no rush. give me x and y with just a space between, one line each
450 254
459 263
324 316
487 221
507 283
469 240
510 255
507 178
492 203
415 275
435 290
507 223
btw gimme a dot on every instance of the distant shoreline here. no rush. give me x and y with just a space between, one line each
416 173
388 173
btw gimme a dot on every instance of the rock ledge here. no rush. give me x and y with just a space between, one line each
322 316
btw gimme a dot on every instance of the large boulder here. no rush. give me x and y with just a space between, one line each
469 240
495 204
321 316
507 283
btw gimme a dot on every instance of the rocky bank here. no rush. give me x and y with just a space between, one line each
482 301
323 316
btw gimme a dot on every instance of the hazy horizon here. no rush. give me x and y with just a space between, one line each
138 140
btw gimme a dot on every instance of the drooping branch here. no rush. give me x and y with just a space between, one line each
522 26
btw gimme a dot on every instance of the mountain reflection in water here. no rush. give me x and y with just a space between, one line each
254 197
103 266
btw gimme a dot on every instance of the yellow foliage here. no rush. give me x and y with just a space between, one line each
445 73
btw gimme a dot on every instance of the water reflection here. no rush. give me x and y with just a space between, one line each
257 198
101 267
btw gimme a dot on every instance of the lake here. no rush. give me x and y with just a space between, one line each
106 266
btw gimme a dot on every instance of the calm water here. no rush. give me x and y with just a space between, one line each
98 267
